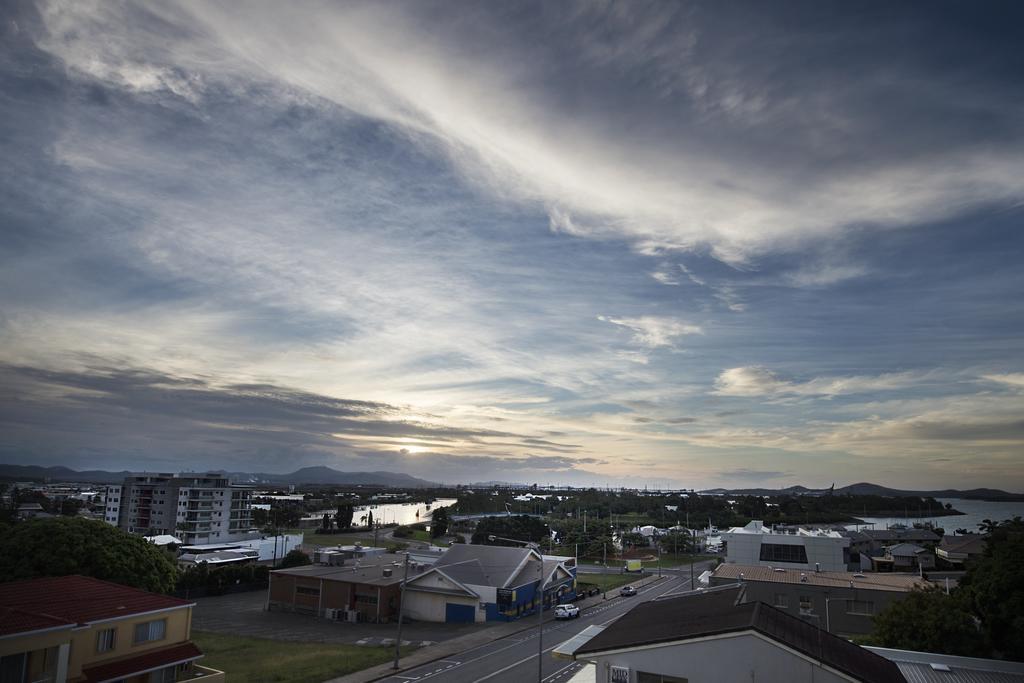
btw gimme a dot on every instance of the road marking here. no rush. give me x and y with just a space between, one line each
559 672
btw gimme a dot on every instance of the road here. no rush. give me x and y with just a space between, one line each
513 659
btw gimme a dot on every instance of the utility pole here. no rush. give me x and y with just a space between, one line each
401 611
604 574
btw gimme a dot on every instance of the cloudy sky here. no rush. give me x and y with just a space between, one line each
666 244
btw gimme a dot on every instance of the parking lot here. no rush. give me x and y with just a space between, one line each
242 614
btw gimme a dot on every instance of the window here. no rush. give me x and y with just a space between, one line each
644 677
366 599
781 600
863 607
150 631
307 590
777 552
806 606
106 639
165 675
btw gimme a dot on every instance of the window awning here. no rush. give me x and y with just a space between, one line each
144 663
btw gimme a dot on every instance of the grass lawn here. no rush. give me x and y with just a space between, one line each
608 581
670 560
259 660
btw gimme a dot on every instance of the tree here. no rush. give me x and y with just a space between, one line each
59 546
343 519
295 558
369 518
994 588
930 621
326 523
439 522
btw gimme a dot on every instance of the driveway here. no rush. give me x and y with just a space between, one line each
242 614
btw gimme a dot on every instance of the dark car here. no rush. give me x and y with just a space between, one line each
627 591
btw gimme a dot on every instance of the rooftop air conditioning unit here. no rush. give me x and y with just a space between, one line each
333 614
387 572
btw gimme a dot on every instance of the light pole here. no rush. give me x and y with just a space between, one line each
540 601
401 611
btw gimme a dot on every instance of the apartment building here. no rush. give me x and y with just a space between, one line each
813 549
197 508
82 630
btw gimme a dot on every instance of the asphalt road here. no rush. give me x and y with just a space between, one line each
513 659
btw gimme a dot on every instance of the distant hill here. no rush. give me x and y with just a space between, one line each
306 475
866 489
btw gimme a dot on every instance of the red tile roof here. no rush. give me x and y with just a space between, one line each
14 620
148 661
80 599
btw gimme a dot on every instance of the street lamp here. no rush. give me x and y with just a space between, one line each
540 600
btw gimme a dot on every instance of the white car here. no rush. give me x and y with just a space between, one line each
567 612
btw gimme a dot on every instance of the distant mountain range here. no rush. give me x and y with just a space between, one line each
865 489
306 475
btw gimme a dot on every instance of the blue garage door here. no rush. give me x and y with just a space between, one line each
458 614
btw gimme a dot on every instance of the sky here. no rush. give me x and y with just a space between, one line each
663 244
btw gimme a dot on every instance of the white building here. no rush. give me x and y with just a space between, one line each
815 549
198 508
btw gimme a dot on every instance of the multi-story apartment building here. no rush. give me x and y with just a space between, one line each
197 508
75 629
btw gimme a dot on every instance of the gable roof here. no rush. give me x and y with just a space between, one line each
972 544
81 599
719 612
499 564
905 550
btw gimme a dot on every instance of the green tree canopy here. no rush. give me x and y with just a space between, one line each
930 621
439 522
343 518
994 588
295 558
59 546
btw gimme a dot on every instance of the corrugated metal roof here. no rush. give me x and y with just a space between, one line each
927 667
869 581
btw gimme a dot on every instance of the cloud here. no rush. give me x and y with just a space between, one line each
754 381
749 474
1012 379
654 332
464 86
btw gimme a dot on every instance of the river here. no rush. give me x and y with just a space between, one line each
974 512
401 513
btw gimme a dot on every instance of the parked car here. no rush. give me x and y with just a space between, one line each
627 591
567 612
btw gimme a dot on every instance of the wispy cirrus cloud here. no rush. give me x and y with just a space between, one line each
754 381
654 332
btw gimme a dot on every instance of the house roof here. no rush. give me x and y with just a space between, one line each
368 570
500 564
80 599
18 621
872 581
970 544
926 667
905 550
719 612
148 661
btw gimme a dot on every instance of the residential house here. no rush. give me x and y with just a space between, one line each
957 550
489 583
814 549
713 636
839 602
904 557
75 629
